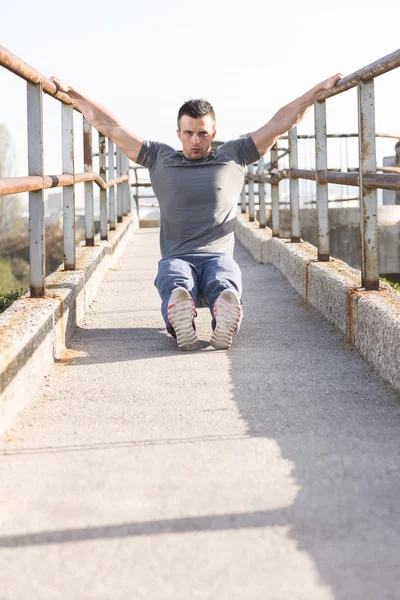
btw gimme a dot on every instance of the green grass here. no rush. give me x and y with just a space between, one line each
7 298
14 281
395 286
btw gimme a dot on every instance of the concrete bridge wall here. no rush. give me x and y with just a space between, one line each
345 234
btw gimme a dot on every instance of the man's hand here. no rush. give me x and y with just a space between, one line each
290 115
330 83
102 119
62 86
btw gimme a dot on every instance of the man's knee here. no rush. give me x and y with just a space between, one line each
174 273
223 273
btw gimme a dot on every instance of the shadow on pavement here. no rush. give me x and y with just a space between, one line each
337 422
166 526
92 346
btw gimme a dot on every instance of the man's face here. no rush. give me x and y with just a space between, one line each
196 136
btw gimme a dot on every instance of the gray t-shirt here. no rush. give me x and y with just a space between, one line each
198 198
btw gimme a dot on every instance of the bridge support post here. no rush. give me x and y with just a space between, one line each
88 168
368 197
295 234
321 164
67 127
126 209
103 193
119 186
136 194
251 193
275 192
36 199
243 198
111 190
261 195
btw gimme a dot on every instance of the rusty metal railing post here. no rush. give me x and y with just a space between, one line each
119 186
125 186
67 126
261 195
88 168
275 192
295 234
103 193
251 193
321 164
368 197
36 199
111 190
397 164
136 195
243 198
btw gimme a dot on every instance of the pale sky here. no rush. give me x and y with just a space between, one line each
144 59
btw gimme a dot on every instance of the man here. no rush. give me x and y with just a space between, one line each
198 190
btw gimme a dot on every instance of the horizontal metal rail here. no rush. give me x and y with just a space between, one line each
368 177
9 61
259 178
17 185
36 182
311 136
334 200
388 169
366 74
371 180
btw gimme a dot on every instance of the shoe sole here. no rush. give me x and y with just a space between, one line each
227 313
181 311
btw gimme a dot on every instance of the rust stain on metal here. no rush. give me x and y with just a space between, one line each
87 149
371 285
365 144
68 267
37 291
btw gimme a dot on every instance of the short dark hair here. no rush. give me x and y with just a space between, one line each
196 108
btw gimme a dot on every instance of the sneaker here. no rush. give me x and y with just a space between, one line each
181 313
228 315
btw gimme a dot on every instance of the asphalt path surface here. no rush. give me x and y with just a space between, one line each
269 471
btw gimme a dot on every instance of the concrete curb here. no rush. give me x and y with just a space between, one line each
370 320
34 331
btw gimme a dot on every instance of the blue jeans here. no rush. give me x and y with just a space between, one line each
204 275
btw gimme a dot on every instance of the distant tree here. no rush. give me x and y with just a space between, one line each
10 206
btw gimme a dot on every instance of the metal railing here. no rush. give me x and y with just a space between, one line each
115 199
365 178
137 184
114 191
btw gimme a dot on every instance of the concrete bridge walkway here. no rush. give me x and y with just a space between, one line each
269 471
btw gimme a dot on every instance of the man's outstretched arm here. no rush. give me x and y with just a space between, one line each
100 118
290 115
